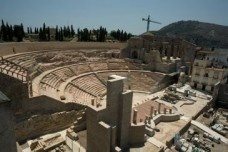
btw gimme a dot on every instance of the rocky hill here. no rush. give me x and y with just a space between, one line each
202 34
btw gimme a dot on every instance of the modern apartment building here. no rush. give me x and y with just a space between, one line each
209 67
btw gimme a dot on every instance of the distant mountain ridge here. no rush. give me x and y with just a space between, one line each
200 33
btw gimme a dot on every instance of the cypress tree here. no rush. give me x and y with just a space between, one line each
72 31
7 31
68 31
18 32
64 31
4 32
40 34
56 33
125 36
97 35
10 33
22 30
61 34
43 34
79 34
48 32
121 36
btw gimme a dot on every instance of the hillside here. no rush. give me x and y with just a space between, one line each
202 34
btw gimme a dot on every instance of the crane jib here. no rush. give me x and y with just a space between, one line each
148 22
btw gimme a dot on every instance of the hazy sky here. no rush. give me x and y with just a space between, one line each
112 14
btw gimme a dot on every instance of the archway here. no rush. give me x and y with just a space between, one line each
135 55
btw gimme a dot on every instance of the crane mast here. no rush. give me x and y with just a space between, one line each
148 20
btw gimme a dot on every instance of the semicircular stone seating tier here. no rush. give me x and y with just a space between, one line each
82 82
19 65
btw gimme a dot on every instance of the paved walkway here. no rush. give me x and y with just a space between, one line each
156 142
210 131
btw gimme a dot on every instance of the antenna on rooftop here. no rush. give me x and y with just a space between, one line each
148 22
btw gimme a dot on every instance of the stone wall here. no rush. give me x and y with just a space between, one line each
7 135
137 133
166 118
15 89
38 125
45 105
169 143
165 68
166 81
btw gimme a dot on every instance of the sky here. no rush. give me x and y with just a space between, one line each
112 14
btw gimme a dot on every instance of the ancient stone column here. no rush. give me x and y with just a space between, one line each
159 108
155 112
92 102
164 110
170 111
151 111
135 116
148 119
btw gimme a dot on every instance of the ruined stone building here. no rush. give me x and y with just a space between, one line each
161 53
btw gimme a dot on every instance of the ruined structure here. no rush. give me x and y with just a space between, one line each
79 92
109 128
162 54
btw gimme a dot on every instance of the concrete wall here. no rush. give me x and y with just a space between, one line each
98 134
7 135
124 119
137 133
114 89
109 127
166 118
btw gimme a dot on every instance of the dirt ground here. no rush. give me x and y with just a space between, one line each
168 130
19 47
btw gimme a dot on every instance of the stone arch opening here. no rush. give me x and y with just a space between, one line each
135 55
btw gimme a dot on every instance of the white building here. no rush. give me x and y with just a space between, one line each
209 67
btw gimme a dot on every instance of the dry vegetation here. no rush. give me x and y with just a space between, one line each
7 48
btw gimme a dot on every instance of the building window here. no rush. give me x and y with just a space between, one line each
206 75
